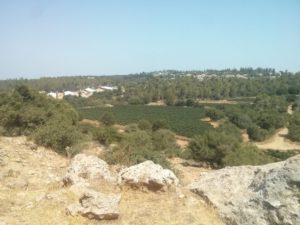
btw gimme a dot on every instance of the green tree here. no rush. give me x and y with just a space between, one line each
108 119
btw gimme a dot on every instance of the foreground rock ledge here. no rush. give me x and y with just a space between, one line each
251 195
95 205
149 175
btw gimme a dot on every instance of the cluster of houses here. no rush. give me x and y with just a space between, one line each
85 93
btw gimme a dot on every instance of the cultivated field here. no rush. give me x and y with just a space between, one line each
182 120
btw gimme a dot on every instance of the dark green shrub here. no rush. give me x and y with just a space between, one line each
270 120
159 124
164 140
246 155
214 114
132 127
107 135
57 134
213 146
108 119
240 119
136 147
256 133
144 125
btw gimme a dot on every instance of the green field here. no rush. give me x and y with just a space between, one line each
182 120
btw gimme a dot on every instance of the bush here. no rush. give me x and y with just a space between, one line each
214 114
57 134
107 119
132 127
159 124
213 146
270 120
294 133
240 119
164 140
50 122
144 125
136 147
246 155
256 133
107 135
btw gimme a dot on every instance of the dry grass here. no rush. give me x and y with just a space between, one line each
43 199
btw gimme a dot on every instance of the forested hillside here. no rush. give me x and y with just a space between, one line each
174 87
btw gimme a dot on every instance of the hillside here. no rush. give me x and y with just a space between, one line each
31 192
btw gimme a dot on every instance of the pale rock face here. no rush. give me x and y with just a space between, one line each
84 167
148 174
250 195
95 205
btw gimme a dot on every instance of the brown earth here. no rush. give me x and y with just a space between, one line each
94 123
245 136
31 193
217 101
214 124
158 103
182 141
278 141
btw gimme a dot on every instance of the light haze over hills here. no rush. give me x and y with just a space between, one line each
55 38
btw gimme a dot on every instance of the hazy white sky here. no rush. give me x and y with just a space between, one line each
44 38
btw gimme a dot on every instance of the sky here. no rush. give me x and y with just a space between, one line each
107 37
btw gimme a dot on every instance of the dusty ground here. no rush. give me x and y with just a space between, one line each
214 124
31 193
95 123
182 141
217 102
245 136
290 109
158 103
279 142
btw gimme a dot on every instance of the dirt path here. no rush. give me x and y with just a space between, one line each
182 141
290 109
217 101
95 123
214 124
279 142
245 136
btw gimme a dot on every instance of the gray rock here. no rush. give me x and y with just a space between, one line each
148 174
84 167
96 205
250 195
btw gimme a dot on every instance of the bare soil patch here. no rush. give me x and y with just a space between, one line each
94 123
245 136
31 193
182 141
217 101
214 124
279 142
290 110
158 103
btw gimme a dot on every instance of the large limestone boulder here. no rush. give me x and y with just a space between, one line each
86 167
251 195
96 205
148 174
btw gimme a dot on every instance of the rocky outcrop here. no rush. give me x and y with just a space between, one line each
95 205
251 195
85 167
148 174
